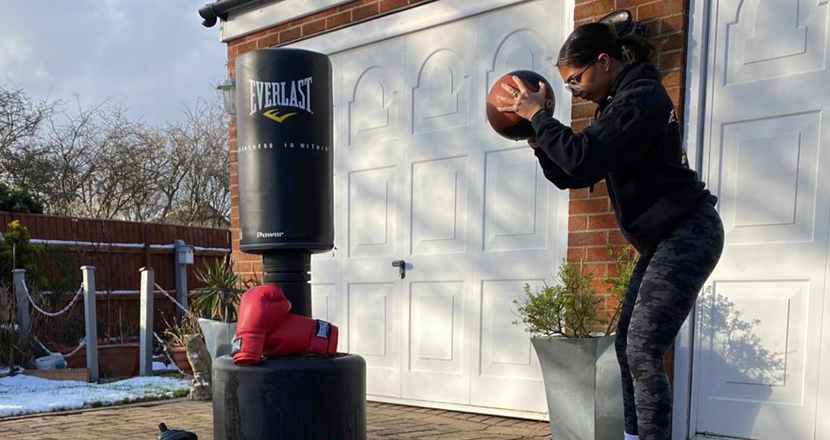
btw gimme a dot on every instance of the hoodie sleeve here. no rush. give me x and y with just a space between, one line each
618 138
560 178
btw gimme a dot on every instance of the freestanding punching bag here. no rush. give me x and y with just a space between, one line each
284 133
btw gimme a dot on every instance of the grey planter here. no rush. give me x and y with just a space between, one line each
583 387
218 336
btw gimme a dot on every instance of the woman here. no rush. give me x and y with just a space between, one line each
662 207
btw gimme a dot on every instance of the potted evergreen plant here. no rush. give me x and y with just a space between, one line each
218 301
579 365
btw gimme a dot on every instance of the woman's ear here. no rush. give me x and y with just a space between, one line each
604 61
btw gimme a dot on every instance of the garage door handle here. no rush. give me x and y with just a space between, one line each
401 265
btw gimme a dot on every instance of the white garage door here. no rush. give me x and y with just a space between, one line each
762 355
420 177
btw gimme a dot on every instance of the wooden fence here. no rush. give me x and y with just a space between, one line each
118 249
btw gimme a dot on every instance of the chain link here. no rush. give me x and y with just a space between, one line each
77 349
183 308
53 314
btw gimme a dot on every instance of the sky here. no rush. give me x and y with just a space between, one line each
151 56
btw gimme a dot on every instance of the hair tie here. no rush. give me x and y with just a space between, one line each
628 55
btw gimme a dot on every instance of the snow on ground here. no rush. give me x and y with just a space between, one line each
27 395
161 366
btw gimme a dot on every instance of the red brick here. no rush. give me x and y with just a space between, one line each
600 191
365 12
579 193
593 9
267 41
588 206
388 5
672 78
349 6
661 8
671 25
322 14
339 19
587 238
576 253
577 222
289 35
606 221
601 286
674 94
672 42
579 23
246 47
598 269
671 60
631 5
277 29
596 254
314 27
600 253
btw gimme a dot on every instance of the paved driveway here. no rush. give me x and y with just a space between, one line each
140 422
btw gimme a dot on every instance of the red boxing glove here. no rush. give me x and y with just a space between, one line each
261 309
297 335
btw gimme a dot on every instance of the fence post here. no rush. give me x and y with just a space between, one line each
184 258
146 321
19 281
91 322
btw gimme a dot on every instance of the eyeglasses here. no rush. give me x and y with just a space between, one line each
572 85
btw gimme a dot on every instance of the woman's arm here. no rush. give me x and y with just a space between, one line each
559 177
621 135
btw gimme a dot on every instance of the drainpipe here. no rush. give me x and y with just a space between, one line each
219 9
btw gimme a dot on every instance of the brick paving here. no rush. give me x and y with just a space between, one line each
140 421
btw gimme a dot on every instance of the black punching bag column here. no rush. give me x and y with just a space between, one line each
284 133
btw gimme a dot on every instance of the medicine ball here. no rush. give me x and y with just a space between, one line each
509 124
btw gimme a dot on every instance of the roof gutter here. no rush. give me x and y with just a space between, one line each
219 10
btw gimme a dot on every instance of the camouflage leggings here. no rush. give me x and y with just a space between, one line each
661 294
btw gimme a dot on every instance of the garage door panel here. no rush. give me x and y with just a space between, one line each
770 171
770 39
759 342
439 206
515 202
441 69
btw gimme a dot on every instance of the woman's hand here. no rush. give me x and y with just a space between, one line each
524 102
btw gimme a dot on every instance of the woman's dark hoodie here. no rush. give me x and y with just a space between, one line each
635 145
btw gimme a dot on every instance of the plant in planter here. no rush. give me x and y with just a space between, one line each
218 301
175 338
118 357
579 366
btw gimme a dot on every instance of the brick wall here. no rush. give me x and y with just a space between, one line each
591 222
358 11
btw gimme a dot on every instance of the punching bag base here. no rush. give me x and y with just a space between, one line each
304 397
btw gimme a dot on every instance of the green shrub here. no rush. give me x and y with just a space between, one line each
570 306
